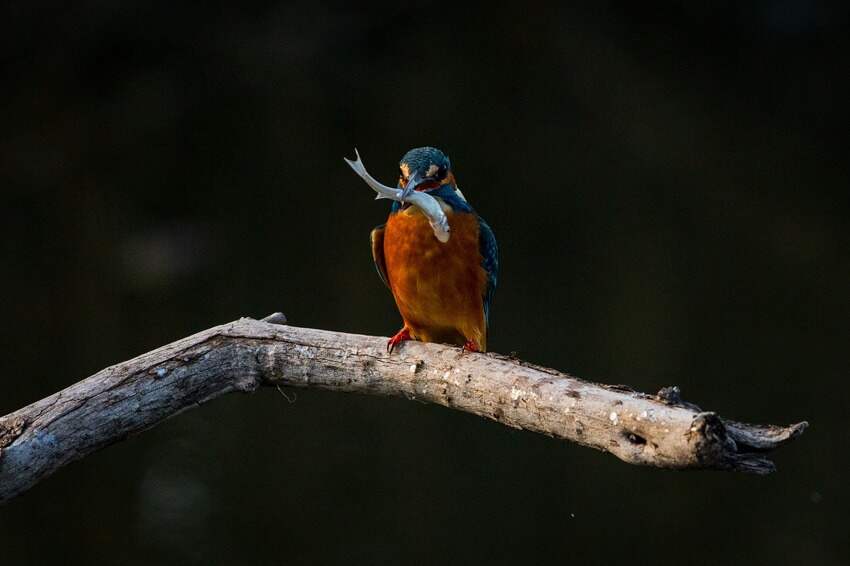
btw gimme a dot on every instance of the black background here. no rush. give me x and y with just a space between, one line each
668 183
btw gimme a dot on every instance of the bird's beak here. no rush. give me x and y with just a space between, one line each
411 185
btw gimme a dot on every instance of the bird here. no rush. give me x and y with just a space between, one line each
443 291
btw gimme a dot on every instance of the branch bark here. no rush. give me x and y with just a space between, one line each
132 396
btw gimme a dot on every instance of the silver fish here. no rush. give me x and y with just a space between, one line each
420 199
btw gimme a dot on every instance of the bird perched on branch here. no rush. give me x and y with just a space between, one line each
443 290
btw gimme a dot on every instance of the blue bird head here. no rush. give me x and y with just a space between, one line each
424 169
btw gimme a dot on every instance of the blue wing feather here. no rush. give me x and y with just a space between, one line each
489 261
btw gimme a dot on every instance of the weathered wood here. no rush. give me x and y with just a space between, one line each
133 396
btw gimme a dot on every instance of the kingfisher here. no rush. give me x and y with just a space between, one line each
443 291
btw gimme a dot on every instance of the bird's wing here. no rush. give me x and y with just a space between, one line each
377 240
489 261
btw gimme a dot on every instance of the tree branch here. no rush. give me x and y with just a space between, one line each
135 395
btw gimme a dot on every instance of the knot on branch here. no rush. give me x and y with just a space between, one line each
275 318
707 435
672 396
10 430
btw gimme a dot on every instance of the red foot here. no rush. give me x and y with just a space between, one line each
470 346
401 336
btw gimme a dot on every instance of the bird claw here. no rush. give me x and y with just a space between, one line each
400 336
470 346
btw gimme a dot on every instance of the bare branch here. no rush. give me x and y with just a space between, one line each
135 395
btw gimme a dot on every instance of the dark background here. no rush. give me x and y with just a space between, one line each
669 186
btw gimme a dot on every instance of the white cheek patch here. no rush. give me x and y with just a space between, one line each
432 170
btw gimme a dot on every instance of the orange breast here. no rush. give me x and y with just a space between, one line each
438 287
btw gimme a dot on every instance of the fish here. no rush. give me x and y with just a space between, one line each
429 206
